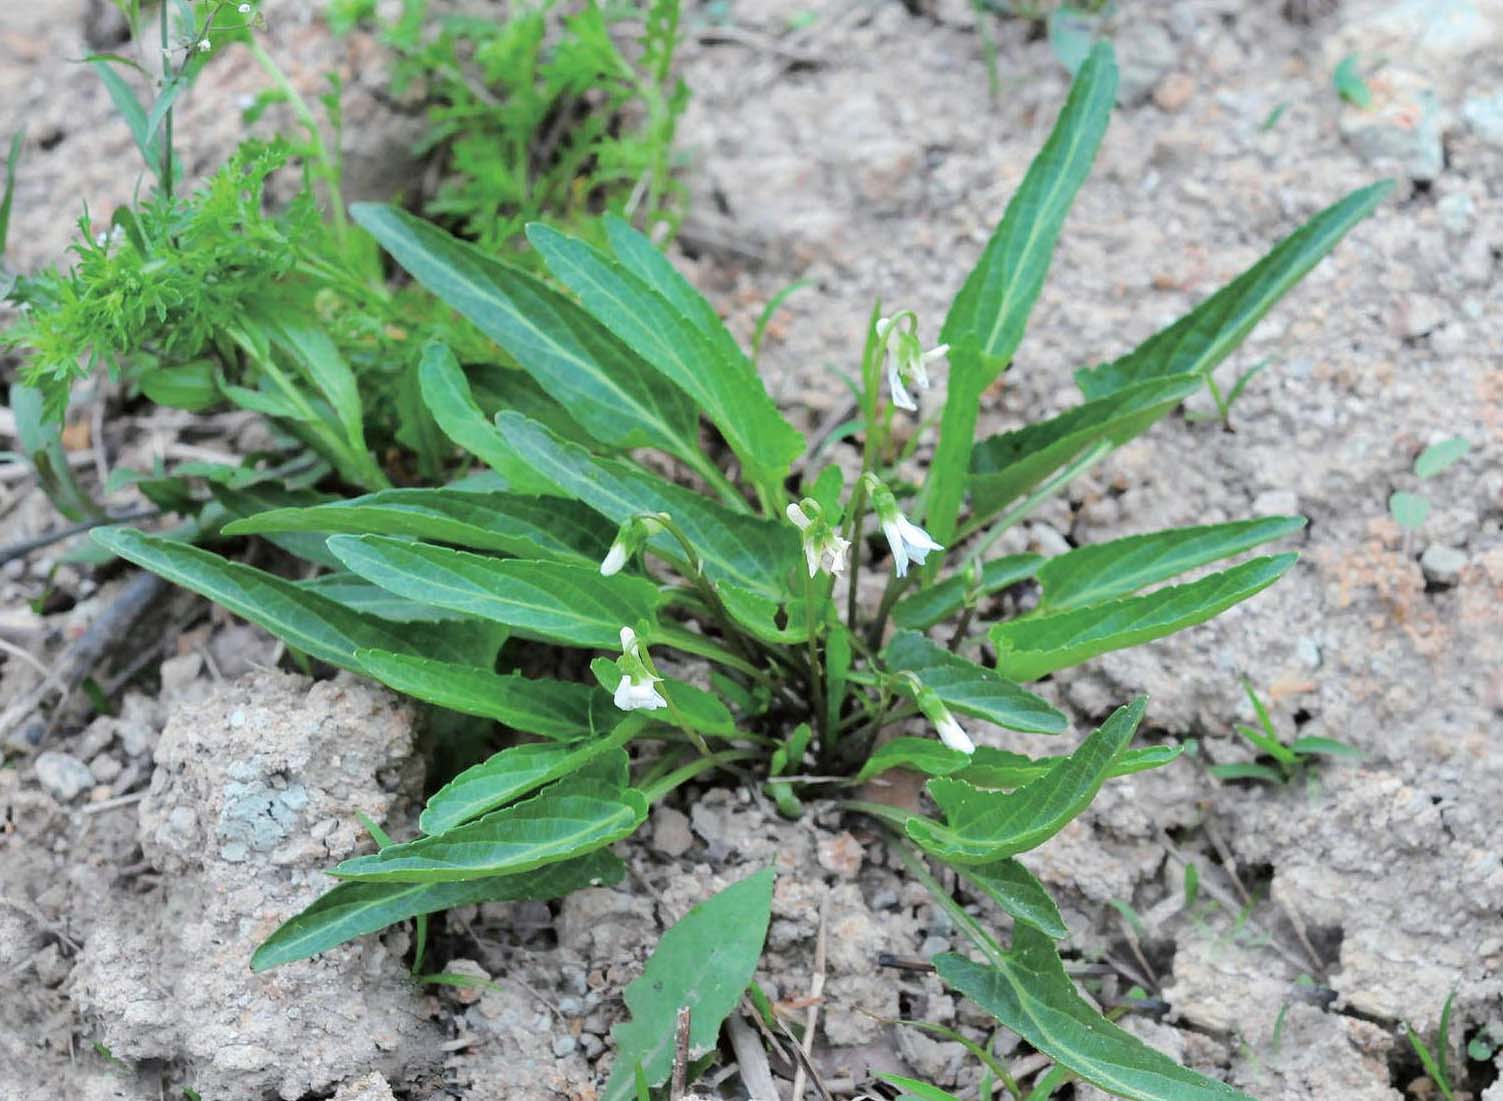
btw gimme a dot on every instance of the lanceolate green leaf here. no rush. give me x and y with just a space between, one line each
985 826
351 910
703 963
446 393
938 602
926 755
133 114
1031 994
312 623
601 382
1031 647
511 774
1001 768
1197 342
1005 467
1105 571
528 527
550 708
972 689
697 708
987 318
359 595
655 328
550 601
1015 889
743 550
567 820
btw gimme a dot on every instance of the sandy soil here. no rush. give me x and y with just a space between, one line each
864 153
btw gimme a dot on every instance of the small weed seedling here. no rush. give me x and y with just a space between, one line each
1435 1056
651 509
1411 510
1286 762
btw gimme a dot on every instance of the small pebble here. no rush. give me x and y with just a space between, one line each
564 1045
62 775
105 768
1443 565
670 832
591 1044
1173 92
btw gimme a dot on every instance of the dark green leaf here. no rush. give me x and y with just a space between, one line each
703 963
1033 996
925 755
972 689
12 159
131 113
1033 647
189 386
1001 768
696 707
351 910
550 601
358 594
1019 893
938 602
1105 571
1325 747
914 1090
511 774
570 819
985 826
1349 83
550 708
528 527
1200 340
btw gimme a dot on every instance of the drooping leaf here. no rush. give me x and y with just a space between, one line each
1019 893
972 689
1031 994
1205 336
1005 467
602 383
1100 572
1033 647
507 776
312 623
724 388
354 909
446 393
986 321
569 819
316 355
549 708
527 527
741 550
698 709
550 601
938 602
703 963
926 755
985 826
1004 769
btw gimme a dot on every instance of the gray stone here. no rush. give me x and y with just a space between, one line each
1484 116
1146 54
1442 564
564 1045
1405 136
1457 213
670 832
62 775
1276 502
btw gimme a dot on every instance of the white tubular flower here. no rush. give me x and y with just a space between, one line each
629 540
909 542
204 45
824 548
614 559
244 9
907 362
950 732
637 689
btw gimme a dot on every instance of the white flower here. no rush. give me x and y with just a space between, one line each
906 361
244 9
614 559
908 541
949 731
824 548
204 45
633 694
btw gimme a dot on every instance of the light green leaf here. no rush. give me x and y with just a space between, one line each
8 189
131 112
528 527
569 819
1409 510
351 910
1002 768
938 602
703 963
446 393
986 321
1441 456
725 388
1105 571
926 755
1200 340
315 354
1031 994
1005 467
1326 747
550 708
1019 893
972 689
511 774
914 1090
312 623
983 826
550 601
742 550
1349 83
1031 647
359 595
696 707
189 386
760 615
604 386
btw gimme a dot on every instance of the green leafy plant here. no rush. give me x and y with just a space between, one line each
1286 762
641 513
1436 1056
542 114
1347 79
1411 510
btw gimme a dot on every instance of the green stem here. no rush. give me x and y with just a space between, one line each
681 639
914 862
661 787
1083 463
167 75
816 667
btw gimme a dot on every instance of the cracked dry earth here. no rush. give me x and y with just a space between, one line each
863 153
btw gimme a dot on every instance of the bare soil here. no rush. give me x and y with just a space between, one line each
863 152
